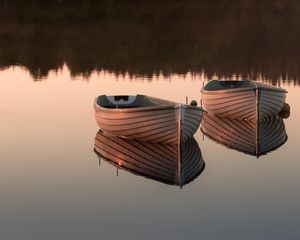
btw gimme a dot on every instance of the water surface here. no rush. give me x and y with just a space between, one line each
51 184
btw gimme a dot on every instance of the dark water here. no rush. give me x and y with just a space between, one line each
54 60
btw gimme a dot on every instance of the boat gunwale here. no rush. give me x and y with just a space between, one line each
143 109
212 92
255 85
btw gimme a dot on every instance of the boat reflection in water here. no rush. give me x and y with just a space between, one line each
170 164
251 137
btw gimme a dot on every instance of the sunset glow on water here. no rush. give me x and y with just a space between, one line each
50 173
53 182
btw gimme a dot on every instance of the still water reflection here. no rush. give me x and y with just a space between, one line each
53 188
254 138
51 185
171 164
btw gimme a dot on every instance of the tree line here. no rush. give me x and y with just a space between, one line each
248 40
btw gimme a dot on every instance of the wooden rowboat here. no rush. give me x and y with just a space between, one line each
171 164
147 118
253 138
242 99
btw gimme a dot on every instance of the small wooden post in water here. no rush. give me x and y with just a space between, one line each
178 143
257 121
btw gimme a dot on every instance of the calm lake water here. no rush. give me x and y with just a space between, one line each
51 183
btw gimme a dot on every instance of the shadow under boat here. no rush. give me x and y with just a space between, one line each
170 164
255 138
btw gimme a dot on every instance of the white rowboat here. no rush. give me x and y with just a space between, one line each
147 118
244 99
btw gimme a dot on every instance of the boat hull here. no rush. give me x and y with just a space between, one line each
271 101
258 101
164 124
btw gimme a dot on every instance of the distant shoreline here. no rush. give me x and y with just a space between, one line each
177 39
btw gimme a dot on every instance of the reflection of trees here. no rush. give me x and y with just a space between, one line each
240 38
